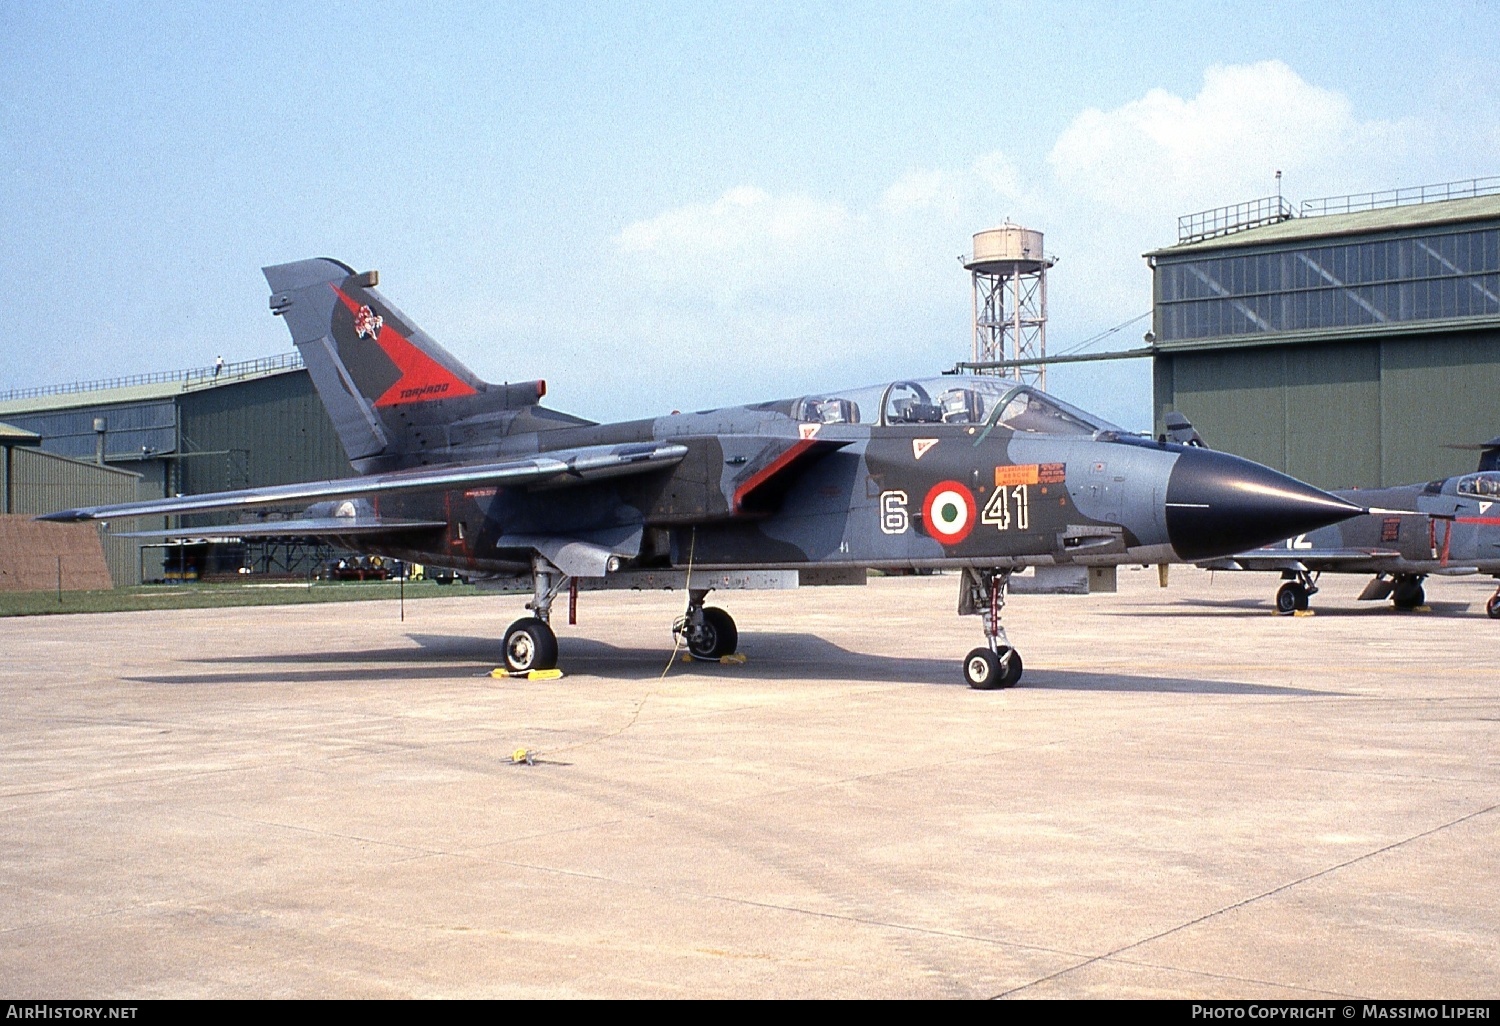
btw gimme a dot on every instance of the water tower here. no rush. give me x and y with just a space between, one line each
1010 299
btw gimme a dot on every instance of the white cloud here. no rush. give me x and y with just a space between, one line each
990 178
920 190
776 286
1223 145
739 241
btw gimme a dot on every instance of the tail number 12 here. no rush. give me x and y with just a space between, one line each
1007 506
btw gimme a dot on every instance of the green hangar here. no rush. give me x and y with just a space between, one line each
235 425
1347 346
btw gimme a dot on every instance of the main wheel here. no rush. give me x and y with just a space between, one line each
530 645
983 669
1290 597
1492 607
717 636
1408 595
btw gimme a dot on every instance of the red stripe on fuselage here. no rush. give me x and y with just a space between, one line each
763 475
1478 520
422 378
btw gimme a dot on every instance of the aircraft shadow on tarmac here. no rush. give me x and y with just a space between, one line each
769 656
1262 607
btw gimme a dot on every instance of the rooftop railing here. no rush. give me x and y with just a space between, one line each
1467 188
195 377
1210 224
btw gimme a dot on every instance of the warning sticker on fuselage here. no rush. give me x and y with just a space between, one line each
1030 474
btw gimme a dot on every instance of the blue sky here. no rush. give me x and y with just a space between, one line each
678 206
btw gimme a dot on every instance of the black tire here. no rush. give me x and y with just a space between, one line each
1492 607
1290 597
530 645
1408 595
717 637
1012 675
983 670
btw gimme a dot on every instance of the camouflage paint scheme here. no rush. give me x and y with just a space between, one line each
968 472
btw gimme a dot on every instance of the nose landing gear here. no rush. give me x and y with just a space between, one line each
1293 596
982 593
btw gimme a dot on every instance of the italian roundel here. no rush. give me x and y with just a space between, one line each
948 512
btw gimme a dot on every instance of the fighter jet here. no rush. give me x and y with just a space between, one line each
1448 527
976 474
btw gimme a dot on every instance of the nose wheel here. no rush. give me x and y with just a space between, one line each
982 594
986 670
1294 595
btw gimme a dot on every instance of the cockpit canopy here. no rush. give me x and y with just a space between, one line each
951 400
1481 486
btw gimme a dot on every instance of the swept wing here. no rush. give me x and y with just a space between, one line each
561 467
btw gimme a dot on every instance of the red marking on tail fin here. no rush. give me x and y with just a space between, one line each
422 378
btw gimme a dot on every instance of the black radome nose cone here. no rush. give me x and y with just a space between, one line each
1218 505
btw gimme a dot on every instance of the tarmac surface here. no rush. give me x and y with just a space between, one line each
1186 797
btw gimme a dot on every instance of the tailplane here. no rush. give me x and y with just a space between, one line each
1489 453
391 391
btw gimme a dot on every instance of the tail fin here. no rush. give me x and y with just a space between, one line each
390 390
1489 453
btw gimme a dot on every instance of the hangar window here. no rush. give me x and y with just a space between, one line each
1432 276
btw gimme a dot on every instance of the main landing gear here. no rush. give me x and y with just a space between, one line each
1293 596
1408 594
1404 590
1492 607
707 631
530 644
982 593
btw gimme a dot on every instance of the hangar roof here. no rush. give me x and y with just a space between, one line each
12 435
1364 222
143 387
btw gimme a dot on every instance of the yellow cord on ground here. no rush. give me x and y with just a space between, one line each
530 757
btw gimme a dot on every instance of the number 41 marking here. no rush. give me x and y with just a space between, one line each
998 510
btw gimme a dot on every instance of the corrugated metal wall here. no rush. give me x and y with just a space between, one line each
41 482
271 431
1437 390
1361 414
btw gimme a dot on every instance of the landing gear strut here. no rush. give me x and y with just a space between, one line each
1408 592
1292 597
707 631
998 665
529 642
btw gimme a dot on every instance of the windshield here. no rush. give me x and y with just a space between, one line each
952 399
